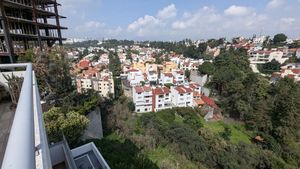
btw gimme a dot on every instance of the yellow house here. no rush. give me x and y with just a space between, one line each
168 66
139 65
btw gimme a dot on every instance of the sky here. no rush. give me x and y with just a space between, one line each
179 19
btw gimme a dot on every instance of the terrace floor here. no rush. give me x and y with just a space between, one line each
6 119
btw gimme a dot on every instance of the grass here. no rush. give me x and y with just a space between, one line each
164 157
238 131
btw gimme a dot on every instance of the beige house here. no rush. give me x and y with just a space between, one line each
102 82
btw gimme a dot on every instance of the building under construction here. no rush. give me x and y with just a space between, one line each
27 24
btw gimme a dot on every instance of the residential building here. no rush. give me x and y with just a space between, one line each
152 77
166 78
182 96
179 77
142 97
161 99
135 77
265 56
93 79
169 66
291 71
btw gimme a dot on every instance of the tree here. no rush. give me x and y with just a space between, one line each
71 124
202 48
226 133
131 106
206 68
279 38
269 67
187 74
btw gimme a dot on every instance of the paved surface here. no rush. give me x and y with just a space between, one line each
6 118
94 128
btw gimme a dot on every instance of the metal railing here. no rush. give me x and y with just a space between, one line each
27 129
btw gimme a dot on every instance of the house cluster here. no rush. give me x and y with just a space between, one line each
260 55
91 76
290 70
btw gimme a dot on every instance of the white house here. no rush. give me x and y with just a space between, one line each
182 96
166 78
135 77
142 98
179 77
152 77
161 99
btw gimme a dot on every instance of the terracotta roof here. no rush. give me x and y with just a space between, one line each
179 71
133 70
296 71
142 89
147 88
291 76
182 89
194 85
168 74
160 91
84 63
138 89
208 101
199 102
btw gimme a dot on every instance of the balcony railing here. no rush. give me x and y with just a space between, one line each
27 145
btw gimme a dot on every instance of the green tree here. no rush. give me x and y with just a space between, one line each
269 67
71 124
187 74
279 38
206 68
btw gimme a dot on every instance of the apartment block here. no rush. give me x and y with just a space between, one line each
142 97
182 96
93 79
161 99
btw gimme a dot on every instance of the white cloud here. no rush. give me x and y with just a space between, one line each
288 20
238 11
275 4
168 12
143 22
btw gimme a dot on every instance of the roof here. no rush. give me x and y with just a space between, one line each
133 70
199 102
291 76
296 71
208 101
194 85
84 63
161 90
141 89
168 74
182 89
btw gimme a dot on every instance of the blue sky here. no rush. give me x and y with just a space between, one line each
179 19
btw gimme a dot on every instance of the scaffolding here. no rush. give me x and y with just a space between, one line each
26 24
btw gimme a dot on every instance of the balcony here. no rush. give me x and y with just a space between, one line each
24 143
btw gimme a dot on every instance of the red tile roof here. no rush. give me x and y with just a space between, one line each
296 71
133 70
160 91
208 101
291 76
84 63
168 74
194 85
182 89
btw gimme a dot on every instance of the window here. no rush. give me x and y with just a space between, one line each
161 96
146 109
181 94
139 93
138 110
189 94
160 105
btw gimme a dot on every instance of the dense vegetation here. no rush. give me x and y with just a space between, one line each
269 67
